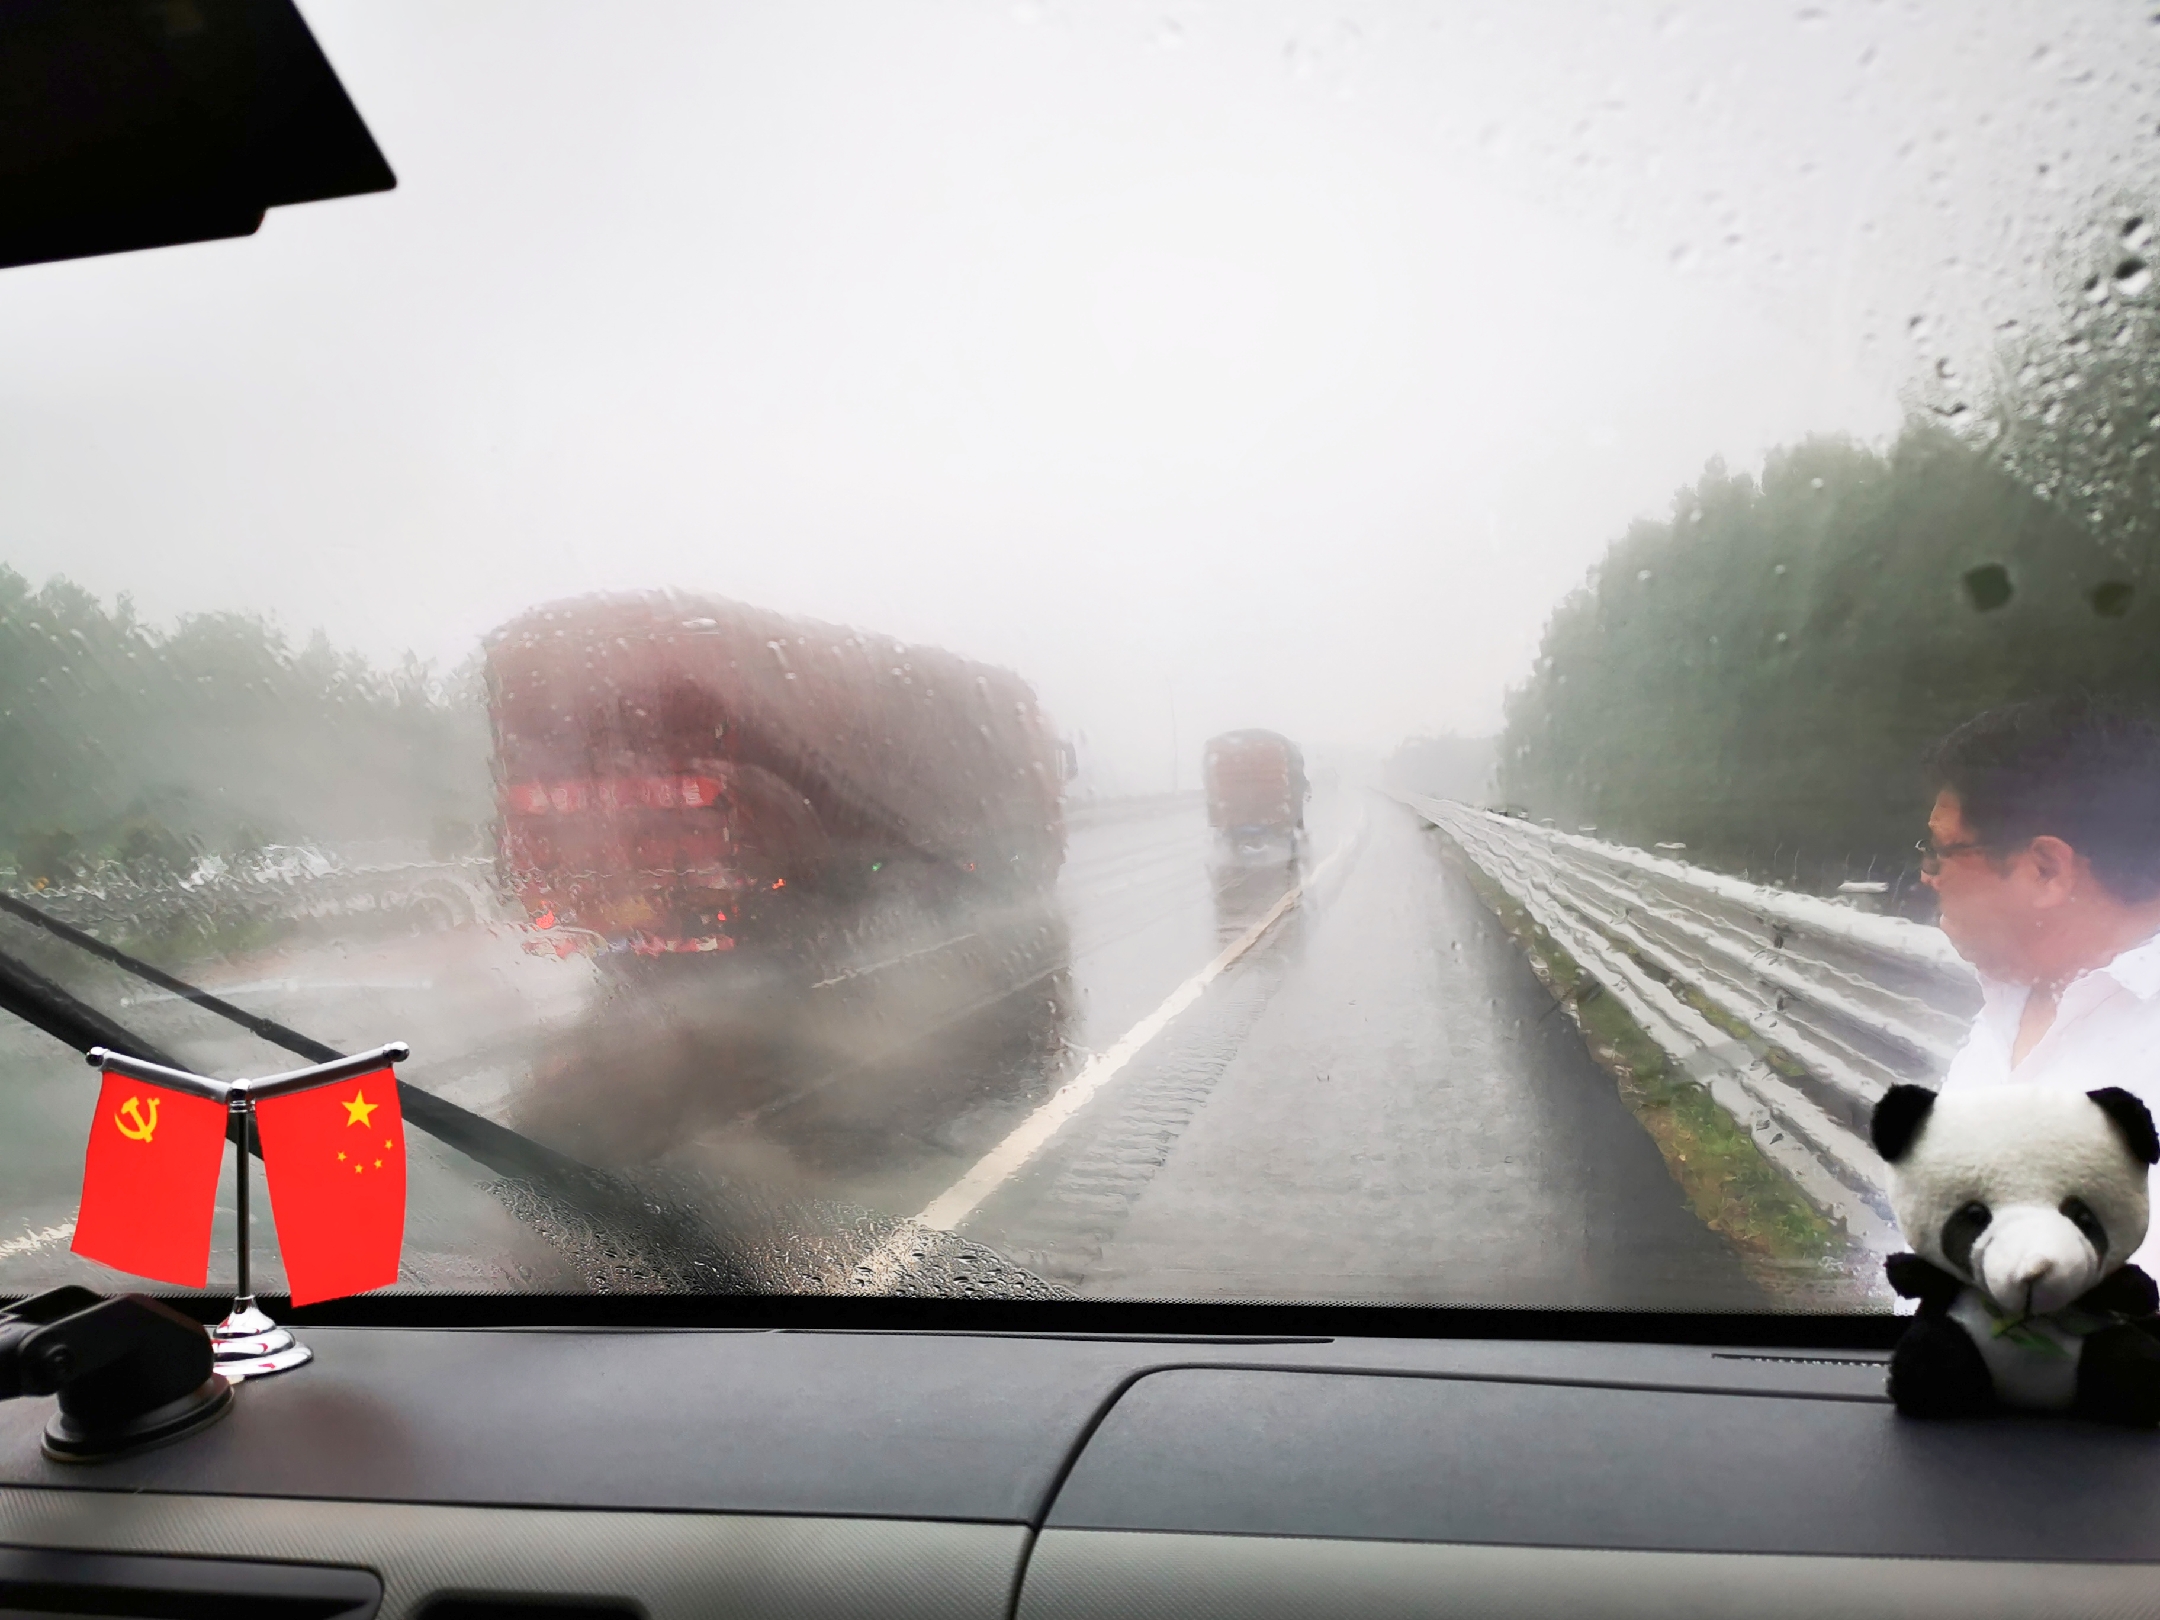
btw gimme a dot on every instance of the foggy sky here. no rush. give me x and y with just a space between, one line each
1273 363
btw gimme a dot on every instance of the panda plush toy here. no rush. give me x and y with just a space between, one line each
2023 1205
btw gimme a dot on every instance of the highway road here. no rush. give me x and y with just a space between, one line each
1331 1077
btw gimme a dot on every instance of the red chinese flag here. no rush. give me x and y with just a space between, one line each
335 1159
150 1180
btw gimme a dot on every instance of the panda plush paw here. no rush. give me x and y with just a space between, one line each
2118 1376
1937 1371
2024 1205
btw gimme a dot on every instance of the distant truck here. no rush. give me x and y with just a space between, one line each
1256 789
680 774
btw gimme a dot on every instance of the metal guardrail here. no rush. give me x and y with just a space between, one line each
1796 1013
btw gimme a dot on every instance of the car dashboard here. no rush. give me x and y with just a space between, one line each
480 1474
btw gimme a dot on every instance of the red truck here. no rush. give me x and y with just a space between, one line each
1256 789
685 774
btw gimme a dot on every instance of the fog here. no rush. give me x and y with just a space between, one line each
1209 365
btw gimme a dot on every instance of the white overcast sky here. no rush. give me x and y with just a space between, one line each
1282 361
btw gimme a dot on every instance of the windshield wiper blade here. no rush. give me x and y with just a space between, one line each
269 1029
659 1237
621 1231
40 1002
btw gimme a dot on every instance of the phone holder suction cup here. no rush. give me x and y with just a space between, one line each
129 1373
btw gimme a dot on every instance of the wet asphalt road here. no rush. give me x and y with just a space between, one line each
1368 1104
1374 1107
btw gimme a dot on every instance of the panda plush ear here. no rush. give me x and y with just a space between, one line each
2132 1120
1897 1120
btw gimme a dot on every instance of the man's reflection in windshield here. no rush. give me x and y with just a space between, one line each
2044 849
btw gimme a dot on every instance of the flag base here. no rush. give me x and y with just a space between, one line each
247 1344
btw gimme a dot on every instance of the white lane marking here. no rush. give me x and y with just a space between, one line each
882 1265
893 961
31 1242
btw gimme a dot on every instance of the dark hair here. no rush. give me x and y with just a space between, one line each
2079 768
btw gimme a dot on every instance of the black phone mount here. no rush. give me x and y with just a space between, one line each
129 1372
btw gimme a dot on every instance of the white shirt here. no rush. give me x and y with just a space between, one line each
2106 1033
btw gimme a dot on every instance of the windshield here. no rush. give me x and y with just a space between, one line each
1173 652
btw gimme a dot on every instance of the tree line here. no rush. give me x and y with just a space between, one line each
121 743
1756 675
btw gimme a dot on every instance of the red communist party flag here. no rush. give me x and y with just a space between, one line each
335 1159
150 1180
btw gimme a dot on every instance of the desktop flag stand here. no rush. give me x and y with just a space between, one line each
333 1149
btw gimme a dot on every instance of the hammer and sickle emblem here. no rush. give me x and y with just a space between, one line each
132 1110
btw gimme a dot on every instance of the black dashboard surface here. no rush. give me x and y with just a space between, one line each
1426 1459
1583 1444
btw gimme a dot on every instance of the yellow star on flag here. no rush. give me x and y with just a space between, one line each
357 1111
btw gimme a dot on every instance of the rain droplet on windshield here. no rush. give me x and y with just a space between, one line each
2111 598
1987 587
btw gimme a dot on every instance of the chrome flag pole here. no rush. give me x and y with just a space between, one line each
247 1344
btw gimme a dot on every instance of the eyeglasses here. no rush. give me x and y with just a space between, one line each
1932 855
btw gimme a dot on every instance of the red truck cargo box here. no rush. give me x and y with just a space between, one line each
668 765
1255 782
